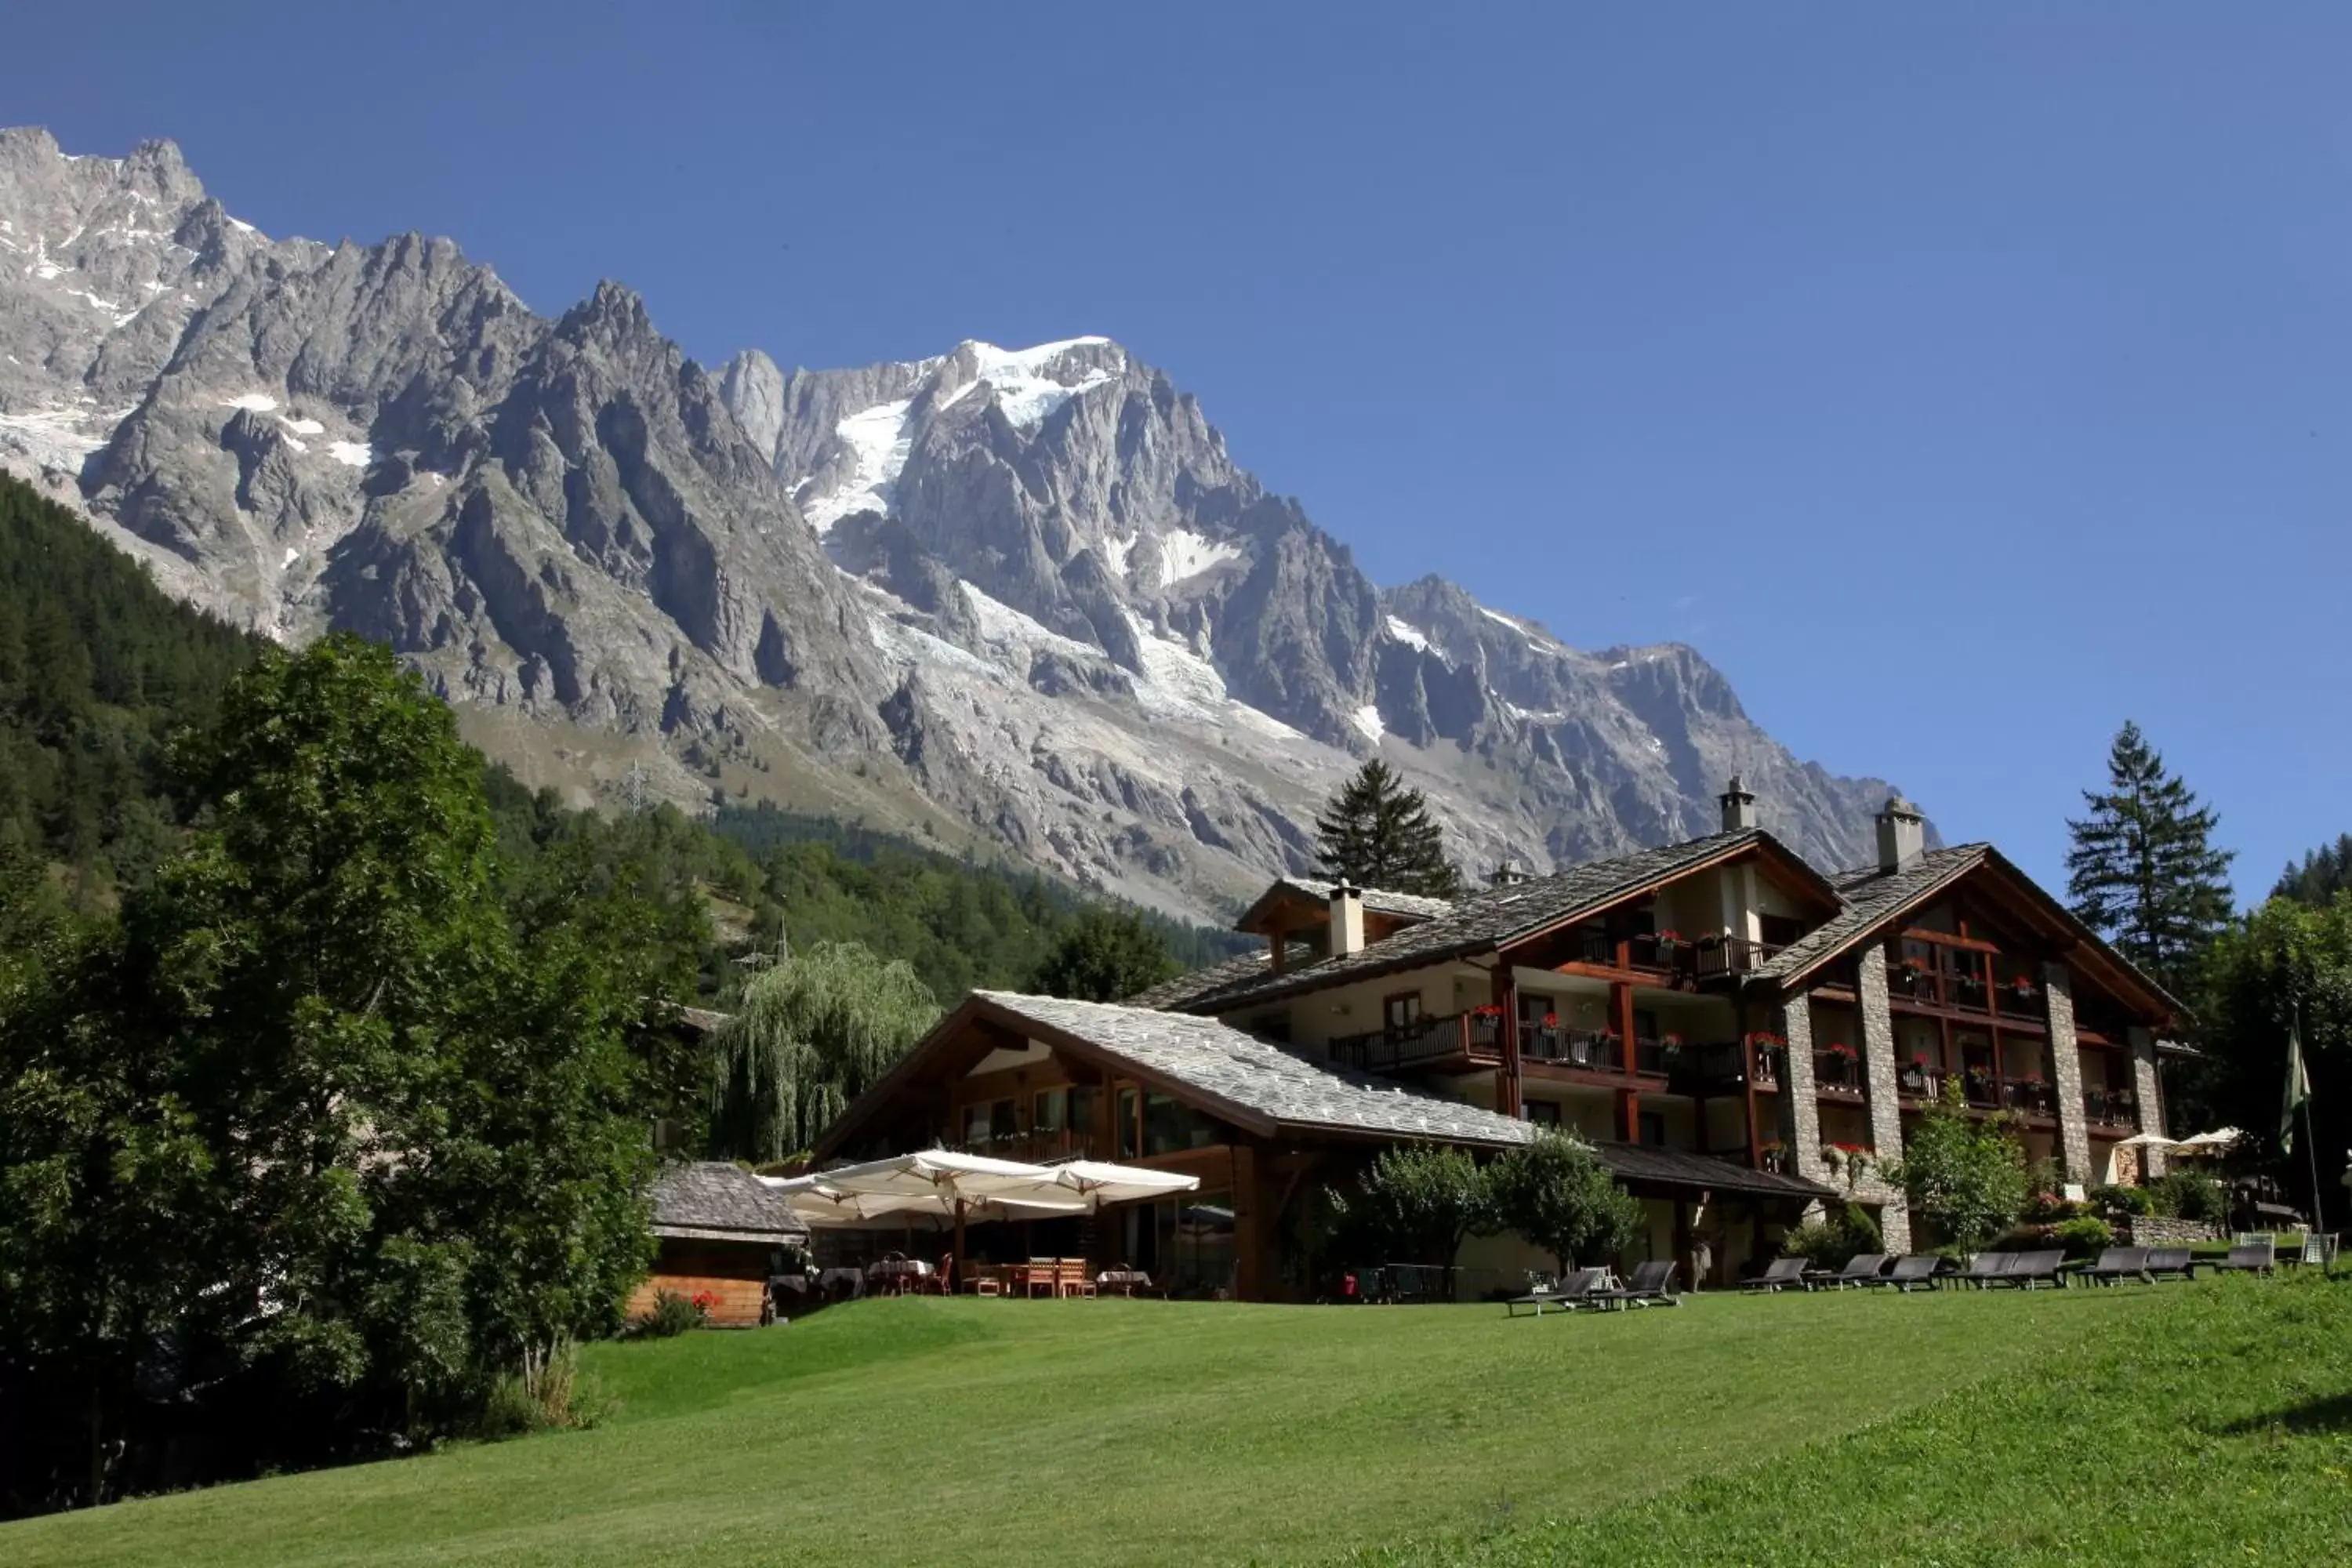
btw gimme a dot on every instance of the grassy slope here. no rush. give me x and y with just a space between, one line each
1139 1432
2224 1436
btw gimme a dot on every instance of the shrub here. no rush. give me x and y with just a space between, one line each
2189 1195
2115 1200
550 1393
1832 1240
2082 1237
673 1314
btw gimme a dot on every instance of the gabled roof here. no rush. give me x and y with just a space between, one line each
1227 1068
1312 890
1238 970
1873 896
1496 917
1237 1077
714 1201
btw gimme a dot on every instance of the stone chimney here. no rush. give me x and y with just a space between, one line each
1346 919
1738 806
1902 834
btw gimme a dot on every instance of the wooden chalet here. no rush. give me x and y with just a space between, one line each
1737 1032
721 1234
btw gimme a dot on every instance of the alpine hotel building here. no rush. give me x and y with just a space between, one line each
1737 1034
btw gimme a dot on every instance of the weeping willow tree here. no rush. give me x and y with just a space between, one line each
811 1035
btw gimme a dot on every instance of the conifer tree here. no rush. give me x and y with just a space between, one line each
2143 870
1378 833
2324 873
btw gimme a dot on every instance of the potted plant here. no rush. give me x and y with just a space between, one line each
1774 1155
1667 941
1915 1076
1907 974
2021 987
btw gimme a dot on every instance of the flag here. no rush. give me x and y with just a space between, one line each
2298 1088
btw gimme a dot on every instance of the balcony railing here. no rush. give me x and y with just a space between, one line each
1701 1071
2029 1095
2011 1003
1942 988
1722 957
1837 1072
2109 1106
1592 1049
1916 1082
1433 1038
1981 1089
1035 1146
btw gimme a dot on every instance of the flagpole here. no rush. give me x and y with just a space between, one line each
2310 1136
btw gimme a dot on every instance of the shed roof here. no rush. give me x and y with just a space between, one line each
712 1200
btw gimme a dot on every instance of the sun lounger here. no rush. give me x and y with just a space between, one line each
1653 1284
1571 1291
1909 1272
1859 1271
1779 1275
2028 1270
2253 1257
2120 1263
2164 1262
1984 1268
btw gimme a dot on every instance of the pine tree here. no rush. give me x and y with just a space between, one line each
2324 873
2143 870
1378 833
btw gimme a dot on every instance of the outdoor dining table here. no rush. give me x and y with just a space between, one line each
897 1274
1124 1281
854 1280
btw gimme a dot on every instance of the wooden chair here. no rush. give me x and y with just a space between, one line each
1071 1279
982 1279
1045 1271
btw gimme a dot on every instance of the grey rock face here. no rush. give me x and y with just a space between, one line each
1028 592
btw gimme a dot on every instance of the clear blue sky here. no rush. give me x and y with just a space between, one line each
1961 384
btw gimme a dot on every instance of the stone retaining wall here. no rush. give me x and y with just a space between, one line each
2145 1230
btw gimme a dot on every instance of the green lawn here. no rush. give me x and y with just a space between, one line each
1843 1427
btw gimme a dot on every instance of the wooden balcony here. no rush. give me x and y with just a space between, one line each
2110 1108
1837 1075
1593 1050
2029 1097
1429 1042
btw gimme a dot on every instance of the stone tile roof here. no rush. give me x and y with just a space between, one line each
1238 970
713 1200
1870 896
1489 918
1276 1084
1684 1168
1377 900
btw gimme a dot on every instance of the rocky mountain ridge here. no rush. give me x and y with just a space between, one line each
1023 595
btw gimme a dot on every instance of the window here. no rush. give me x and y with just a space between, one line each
1129 1130
1050 1112
1171 1126
1401 1013
1645 1024
1082 1112
1780 931
1543 1113
1535 1006
1272 1027
1653 1128
1003 1125
975 1126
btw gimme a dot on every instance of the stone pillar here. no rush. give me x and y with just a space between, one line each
2148 1097
2066 1074
1879 1084
1800 1109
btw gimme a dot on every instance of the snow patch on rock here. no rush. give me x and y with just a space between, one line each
1367 721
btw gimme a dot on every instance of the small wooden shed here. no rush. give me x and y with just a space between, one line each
723 1232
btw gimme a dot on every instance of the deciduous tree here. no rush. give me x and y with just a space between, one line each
1557 1194
1965 1177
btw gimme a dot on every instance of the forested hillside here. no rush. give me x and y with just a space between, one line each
99 667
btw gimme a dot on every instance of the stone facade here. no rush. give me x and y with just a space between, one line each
2148 1093
2148 1230
1800 1109
1879 1083
2066 1074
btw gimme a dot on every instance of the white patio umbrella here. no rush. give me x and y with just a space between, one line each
2213 1142
1102 1182
938 1181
